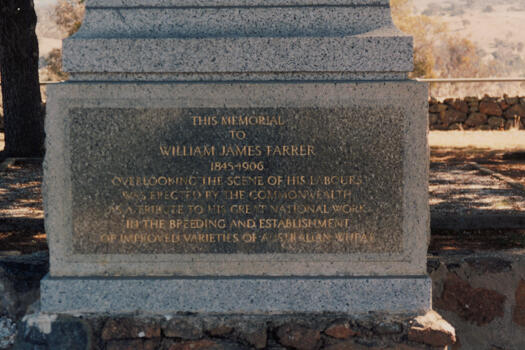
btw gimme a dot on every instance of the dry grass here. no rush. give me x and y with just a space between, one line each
493 140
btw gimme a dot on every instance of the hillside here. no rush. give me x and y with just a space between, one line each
495 26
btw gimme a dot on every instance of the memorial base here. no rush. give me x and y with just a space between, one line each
353 295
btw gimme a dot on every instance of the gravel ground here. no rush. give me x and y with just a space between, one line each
21 213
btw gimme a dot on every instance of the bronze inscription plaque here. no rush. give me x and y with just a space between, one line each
241 180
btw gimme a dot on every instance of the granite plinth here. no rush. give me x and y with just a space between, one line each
103 133
201 22
237 295
229 3
278 36
332 54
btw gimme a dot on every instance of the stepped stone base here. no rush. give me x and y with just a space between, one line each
236 295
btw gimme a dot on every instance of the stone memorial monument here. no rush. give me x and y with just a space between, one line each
237 156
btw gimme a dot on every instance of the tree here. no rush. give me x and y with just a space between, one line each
22 101
425 31
54 66
69 15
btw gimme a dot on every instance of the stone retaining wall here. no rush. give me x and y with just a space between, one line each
482 295
472 113
230 332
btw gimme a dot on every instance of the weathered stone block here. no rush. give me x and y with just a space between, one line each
437 108
515 111
256 334
340 331
180 328
54 332
433 330
483 265
518 312
453 116
459 105
298 337
206 295
433 118
490 108
496 123
511 100
476 119
135 344
477 305
129 328
472 100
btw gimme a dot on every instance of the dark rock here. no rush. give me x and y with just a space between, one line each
496 123
297 337
455 126
433 264
184 329
52 332
220 331
433 118
8 295
453 266
431 329
514 155
253 334
487 98
515 111
490 108
7 332
452 116
350 345
511 100
476 119
512 124
204 344
127 344
130 328
70 333
340 331
518 311
347 345
20 282
459 105
437 108
476 305
503 104
471 100
384 328
484 265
